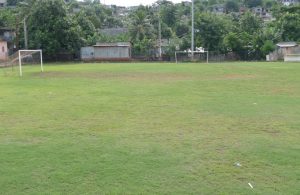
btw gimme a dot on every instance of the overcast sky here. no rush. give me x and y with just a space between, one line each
131 2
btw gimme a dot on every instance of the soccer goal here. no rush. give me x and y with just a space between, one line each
188 55
29 57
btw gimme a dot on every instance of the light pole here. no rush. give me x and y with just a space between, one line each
159 32
25 34
159 37
25 25
193 31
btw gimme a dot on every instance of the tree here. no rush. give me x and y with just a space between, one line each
231 6
288 23
247 38
267 47
250 23
140 26
52 29
7 18
253 3
88 30
210 31
141 31
168 13
182 29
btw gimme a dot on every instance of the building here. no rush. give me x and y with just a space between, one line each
289 2
3 50
283 50
107 52
263 13
218 9
3 3
7 36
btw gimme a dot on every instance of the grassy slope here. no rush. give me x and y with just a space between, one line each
151 128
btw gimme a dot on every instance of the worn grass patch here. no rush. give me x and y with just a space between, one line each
151 129
129 76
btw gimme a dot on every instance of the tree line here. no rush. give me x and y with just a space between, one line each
59 26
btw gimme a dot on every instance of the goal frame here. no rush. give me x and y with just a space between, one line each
20 59
192 53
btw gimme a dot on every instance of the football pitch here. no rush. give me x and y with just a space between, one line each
151 128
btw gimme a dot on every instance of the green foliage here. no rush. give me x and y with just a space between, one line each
250 23
291 27
168 13
253 3
143 47
7 18
182 29
210 31
142 32
88 30
111 39
68 25
140 27
268 47
247 37
231 6
52 29
13 2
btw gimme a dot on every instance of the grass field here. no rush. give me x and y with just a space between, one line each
151 129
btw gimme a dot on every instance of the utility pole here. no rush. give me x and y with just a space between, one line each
193 31
159 37
25 34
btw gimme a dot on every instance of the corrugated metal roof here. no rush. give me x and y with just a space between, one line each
287 44
119 44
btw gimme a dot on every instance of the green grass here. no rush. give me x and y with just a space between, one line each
151 129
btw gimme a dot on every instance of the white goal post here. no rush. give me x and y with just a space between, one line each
190 53
24 54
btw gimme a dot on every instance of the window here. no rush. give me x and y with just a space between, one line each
3 49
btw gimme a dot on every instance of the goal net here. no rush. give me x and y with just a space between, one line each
25 58
187 56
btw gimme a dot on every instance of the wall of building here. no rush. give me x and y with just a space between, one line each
3 50
112 52
87 53
3 3
292 58
105 53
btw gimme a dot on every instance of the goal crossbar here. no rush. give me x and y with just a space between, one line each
29 53
191 52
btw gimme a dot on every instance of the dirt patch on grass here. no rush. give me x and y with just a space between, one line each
237 76
283 91
24 141
272 132
134 76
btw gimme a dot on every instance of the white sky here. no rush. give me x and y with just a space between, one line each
132 2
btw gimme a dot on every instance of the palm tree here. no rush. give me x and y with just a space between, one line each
140 26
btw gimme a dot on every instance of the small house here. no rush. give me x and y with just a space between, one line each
284 49
3 50
7 37
120 51
3 3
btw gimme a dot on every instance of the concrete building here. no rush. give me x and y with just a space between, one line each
7 36
289 2
3 50
3 3
285 50
218 9
107 52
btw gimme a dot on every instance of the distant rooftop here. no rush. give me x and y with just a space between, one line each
118 44
287 44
